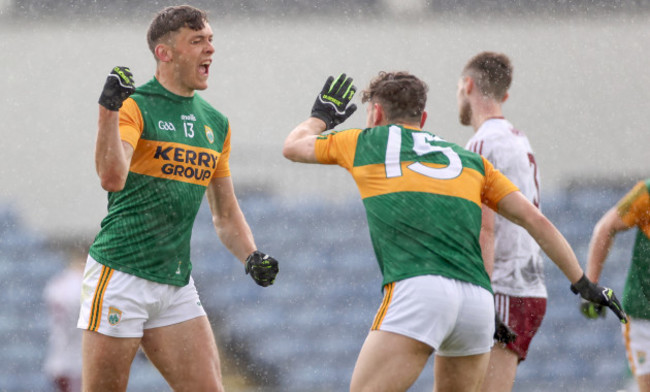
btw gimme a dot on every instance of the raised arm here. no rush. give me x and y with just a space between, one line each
112 155
329 110
601 242
299 145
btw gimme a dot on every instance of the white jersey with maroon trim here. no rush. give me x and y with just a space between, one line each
518 262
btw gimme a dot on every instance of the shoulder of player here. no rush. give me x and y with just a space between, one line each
205 105
500 134
471 159
494 130
209 110
151 87
343 132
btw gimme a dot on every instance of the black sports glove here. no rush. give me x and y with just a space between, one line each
599 295
591 310
119 85
331 104
503 333
262 268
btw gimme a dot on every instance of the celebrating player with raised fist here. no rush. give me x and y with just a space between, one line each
160 148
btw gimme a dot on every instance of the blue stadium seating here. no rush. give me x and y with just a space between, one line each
304 333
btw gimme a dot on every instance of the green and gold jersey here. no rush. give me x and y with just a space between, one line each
634 210
180 144
422 197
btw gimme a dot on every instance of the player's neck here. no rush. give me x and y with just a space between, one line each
172 84
482 116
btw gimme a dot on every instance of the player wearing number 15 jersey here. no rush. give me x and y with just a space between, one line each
423 200
511 255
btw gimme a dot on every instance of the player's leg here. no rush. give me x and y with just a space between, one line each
415 317
501 371
185 354
636 336
463 356
67 383
112 324
106 361
643 381
524 316
388 362
460 374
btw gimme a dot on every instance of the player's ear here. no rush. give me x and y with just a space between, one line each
423 119
378 115
505 97
163 53
469 85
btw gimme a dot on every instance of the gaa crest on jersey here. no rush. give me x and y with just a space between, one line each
114 316
209 134
641 357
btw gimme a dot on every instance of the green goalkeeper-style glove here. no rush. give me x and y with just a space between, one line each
119 85
331 105
591 310
262 268
599 296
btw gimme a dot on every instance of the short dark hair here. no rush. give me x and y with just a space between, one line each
492 73
171 19
402 95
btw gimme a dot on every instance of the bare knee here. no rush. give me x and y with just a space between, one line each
464 373
643 381
186 355
106 361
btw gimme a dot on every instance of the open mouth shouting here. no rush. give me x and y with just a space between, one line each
204 68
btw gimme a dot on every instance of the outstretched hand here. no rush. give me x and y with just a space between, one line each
599 295
331 105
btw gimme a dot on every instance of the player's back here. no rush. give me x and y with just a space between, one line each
509 150
422 196
518 266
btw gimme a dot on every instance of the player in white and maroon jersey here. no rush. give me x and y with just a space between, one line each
512 257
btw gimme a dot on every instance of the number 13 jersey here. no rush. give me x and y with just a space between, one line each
180 144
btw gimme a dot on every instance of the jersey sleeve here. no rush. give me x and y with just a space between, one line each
131 122
223 164
496 186
337 148
634 207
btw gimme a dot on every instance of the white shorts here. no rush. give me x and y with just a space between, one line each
122 305
636 336
455 318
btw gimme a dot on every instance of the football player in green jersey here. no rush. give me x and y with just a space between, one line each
423 199
633 210
160 148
